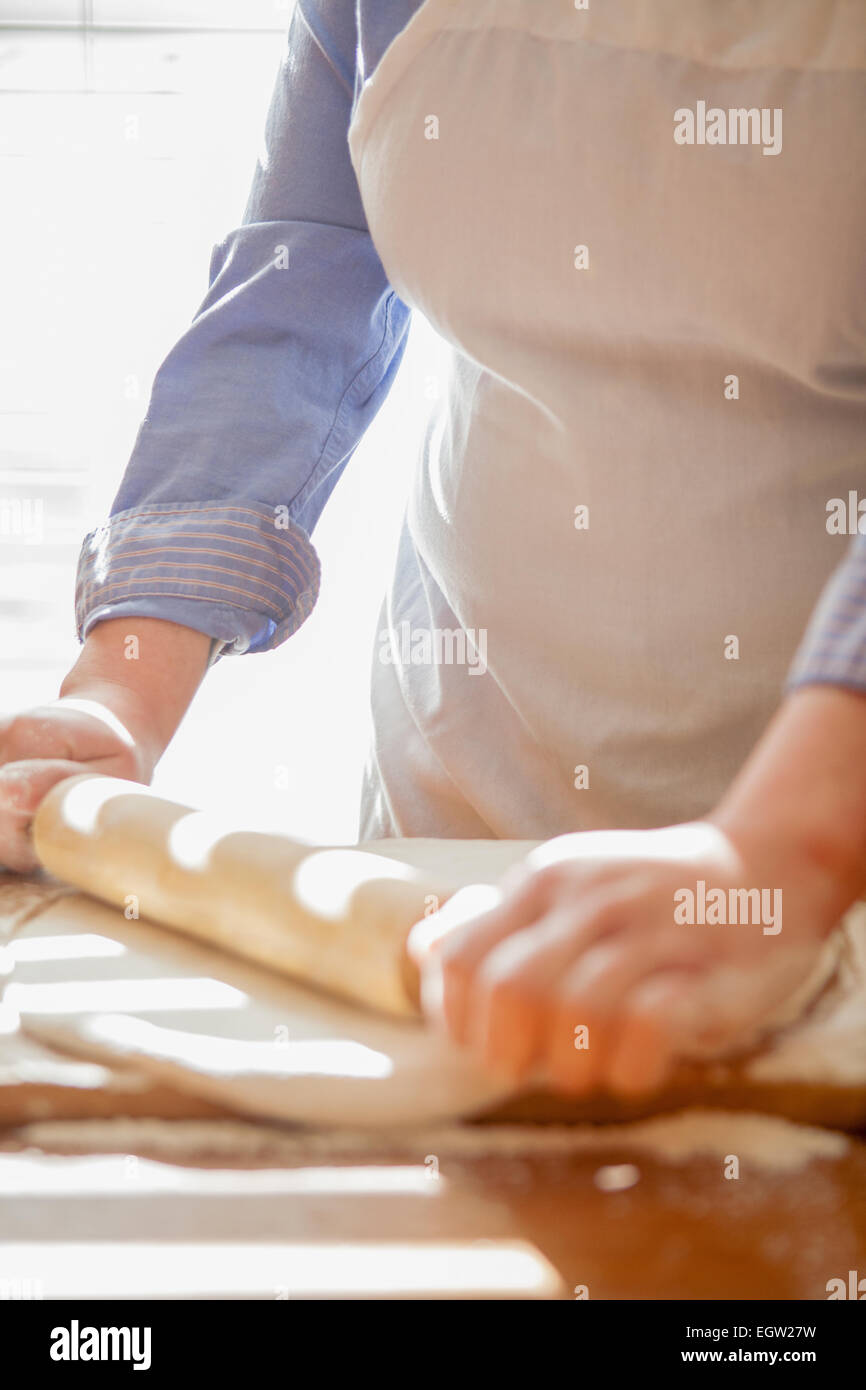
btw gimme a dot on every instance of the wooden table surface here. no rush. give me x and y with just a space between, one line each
390 1225
182 1202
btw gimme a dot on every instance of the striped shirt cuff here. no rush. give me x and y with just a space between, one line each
253 573
833 651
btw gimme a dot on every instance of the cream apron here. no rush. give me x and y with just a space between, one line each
695 379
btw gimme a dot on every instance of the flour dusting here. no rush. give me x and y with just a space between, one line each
765 1141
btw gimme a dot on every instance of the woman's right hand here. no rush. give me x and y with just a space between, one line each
42 746
115 716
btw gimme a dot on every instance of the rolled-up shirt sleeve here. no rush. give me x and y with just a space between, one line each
833 650
258 407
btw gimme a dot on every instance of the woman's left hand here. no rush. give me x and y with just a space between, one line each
587 972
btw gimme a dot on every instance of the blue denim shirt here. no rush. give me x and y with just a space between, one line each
257 409
259 406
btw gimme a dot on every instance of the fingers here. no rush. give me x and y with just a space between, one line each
22 787
70 730
593 999
580 976
654 1023
508 1007
502 975
589 988
37 733
492 973
462 908
505 1007
42 747
450 946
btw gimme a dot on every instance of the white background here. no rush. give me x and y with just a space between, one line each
104 250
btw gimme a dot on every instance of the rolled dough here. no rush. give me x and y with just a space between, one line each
210 1026
338 918
334 917
102 988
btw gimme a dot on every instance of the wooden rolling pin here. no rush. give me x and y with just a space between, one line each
334 917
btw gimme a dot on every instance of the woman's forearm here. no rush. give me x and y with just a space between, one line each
801 796
146 671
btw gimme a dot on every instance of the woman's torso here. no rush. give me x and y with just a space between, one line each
695 379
